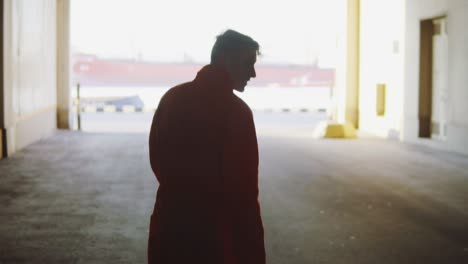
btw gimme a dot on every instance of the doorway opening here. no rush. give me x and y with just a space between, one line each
433 78
124 66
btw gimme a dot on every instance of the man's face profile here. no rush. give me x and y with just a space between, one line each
241 68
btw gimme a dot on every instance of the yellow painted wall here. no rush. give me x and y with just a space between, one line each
63 65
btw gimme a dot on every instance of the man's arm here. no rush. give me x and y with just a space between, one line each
154 153
240 167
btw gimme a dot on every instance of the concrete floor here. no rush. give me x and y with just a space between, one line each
86 198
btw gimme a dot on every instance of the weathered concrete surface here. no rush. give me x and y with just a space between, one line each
86 198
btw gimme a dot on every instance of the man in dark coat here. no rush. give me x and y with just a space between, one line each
203 151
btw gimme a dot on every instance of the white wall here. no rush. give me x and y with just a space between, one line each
457 123
381 61
30 71
457 131
416 10
390 36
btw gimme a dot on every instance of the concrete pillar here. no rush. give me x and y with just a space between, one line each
10 71
346 91
63 65
352 63
2 125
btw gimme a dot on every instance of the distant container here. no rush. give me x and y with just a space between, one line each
90 70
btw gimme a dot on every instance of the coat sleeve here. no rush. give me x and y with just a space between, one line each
240 166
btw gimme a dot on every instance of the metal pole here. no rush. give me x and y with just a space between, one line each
78 106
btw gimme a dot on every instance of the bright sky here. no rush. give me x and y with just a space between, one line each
293 31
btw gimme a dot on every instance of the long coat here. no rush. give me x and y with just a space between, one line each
203 151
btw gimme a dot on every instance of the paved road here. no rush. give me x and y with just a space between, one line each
87 197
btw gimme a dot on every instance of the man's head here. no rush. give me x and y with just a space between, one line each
237 53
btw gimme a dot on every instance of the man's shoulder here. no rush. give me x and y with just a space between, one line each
176 91
241 105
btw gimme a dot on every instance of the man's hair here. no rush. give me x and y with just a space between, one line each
231 43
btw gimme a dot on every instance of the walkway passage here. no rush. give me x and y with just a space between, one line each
86 198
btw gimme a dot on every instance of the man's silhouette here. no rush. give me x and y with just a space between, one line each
203 151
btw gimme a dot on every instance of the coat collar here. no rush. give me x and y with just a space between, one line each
214 77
